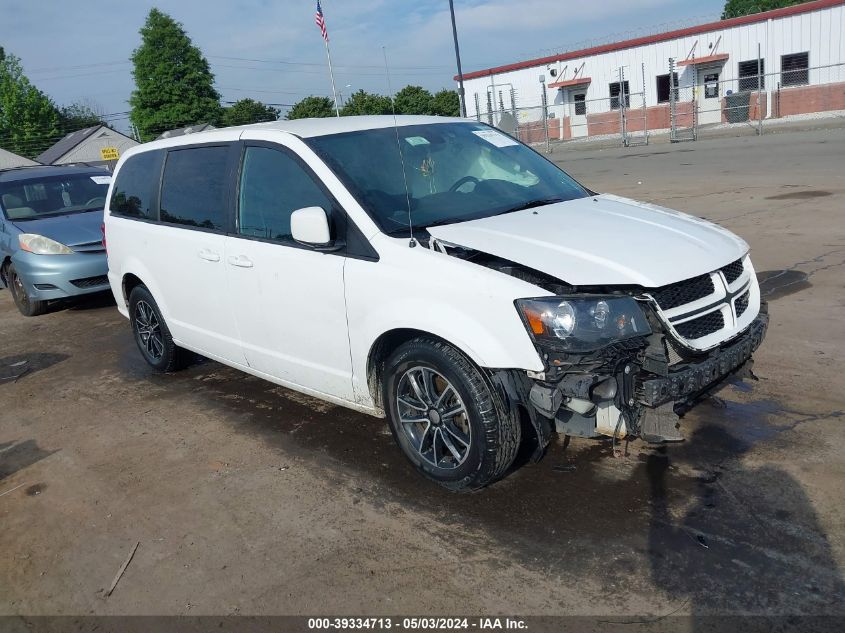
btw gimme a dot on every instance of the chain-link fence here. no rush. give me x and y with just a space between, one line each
621 117
695 98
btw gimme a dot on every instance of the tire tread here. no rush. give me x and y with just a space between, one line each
502 429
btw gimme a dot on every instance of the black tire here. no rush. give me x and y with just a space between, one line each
26 305
152 336
494 433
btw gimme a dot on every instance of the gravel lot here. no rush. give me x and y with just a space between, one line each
250 499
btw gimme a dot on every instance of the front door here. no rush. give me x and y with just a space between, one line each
709 96
578 113
289 299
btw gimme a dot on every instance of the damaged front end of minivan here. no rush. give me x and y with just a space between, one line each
629 362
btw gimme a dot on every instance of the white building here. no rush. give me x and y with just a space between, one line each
801 55
9 160
98 145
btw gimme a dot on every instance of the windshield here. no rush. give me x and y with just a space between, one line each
36 198
454 172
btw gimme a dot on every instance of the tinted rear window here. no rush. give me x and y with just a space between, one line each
136 183
193 190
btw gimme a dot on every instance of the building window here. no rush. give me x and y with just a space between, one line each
711 86
748 75
615 88
793 69
580 101
663 87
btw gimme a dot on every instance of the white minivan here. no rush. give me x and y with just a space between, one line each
434 271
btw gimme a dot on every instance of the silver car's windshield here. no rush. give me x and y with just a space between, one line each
454 172
35 198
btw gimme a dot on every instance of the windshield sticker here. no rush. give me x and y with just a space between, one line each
417 140
495 138
102 180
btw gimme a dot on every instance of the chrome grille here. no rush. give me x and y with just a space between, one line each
741 304
707 310
89 247
684 292
702 326
733 271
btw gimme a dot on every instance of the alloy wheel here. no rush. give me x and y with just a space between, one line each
433 417
148 329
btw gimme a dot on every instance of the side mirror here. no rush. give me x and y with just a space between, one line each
310 226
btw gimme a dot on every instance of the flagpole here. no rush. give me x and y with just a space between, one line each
331 74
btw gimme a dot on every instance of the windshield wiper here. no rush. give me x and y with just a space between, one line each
530 205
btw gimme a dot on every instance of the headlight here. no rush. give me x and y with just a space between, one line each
583 324
41 245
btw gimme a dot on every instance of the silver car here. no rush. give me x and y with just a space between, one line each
51 240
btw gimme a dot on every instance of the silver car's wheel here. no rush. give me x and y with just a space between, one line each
433 417
26 305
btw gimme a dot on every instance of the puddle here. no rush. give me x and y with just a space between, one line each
775 284
800 195
14 368
15 456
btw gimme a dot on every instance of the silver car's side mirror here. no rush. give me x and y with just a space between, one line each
310 226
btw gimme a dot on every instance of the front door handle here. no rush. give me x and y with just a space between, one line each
209 256
241 261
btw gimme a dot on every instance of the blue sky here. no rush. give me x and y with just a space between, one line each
272 50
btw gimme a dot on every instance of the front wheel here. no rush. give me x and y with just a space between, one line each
26 305
446 417
152 334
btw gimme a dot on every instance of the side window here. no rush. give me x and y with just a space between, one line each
274 185
136 183
193 190
616 98
748 76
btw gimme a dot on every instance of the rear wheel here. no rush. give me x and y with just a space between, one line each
152 334
26 305
446 417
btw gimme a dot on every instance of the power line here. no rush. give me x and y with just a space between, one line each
77 67
320 72
321 65
99 72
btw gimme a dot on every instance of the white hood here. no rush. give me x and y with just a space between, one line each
602 240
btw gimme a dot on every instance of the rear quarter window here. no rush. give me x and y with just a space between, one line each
133 194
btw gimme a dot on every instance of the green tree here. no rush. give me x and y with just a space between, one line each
29 121
737 8
77 116
174 86
414 100
366 103
311 108
446 103
246 111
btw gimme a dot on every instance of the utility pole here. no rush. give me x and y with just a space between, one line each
461 94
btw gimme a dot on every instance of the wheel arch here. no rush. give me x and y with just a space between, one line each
3 266
386 344
129 282
133 273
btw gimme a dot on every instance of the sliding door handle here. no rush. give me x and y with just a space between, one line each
241 261
209 256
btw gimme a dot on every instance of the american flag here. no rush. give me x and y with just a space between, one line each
321 22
